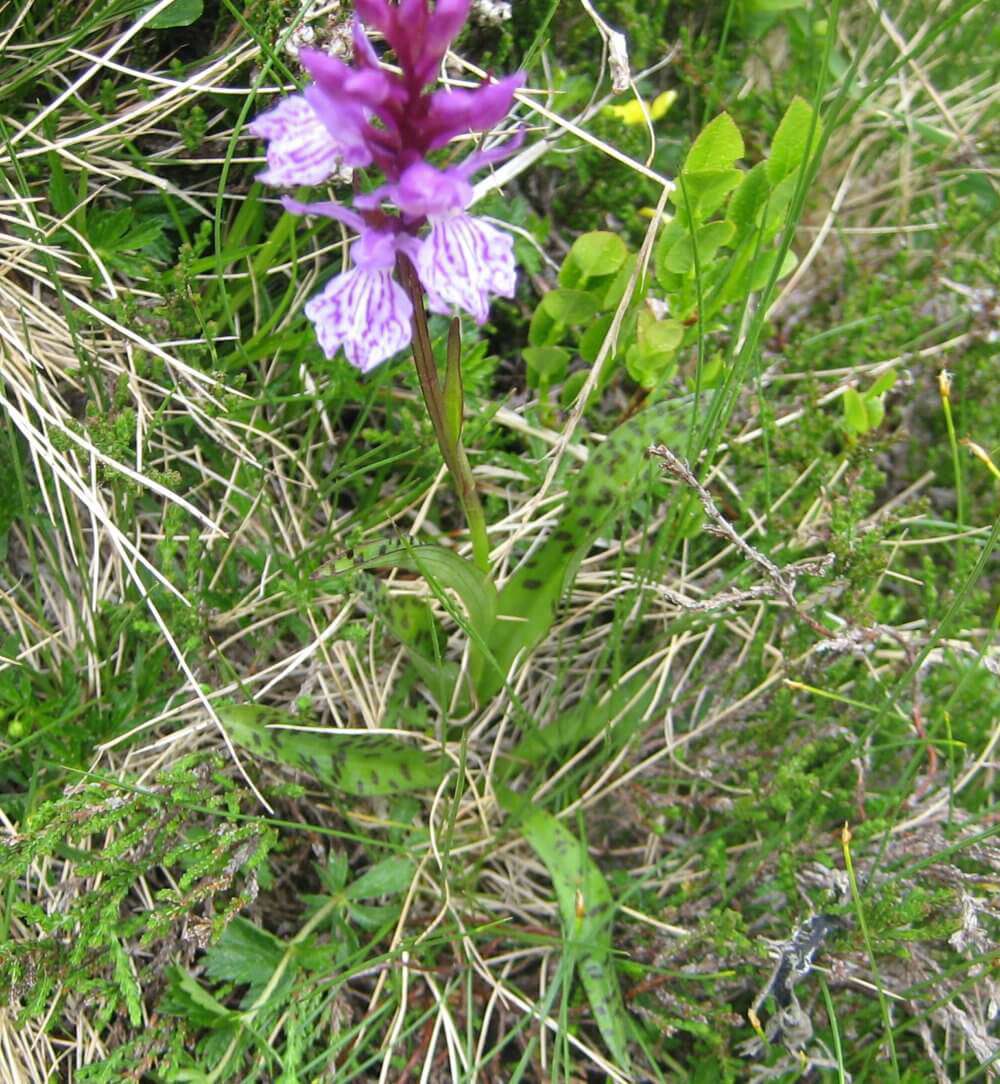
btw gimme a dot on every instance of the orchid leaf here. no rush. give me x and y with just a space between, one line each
586 911
527 603
363 765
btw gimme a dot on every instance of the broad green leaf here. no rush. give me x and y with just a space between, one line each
360 764
712 372
586 910
673 232
597 253
778 204
749 199
658 336
718 147
572 387
543 329
875 409
569 306
548 362
652 356
445 568
705 190
619 284
709 239
761 272
855 412
649 370
790 147
593 338
373 917
528 601
386 878
883 383
179 13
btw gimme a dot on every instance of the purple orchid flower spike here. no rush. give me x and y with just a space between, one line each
365 115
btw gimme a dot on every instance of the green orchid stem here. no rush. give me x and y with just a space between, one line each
446 415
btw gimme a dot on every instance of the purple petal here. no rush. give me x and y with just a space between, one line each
326 208
327 70
424 190
445 23
456 112
402 25
442 27
375 13
300 149
344 122
364 54
478 160
464 261
344 99
366 312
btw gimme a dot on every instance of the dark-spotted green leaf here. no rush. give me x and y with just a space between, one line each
627 703
586 911
360 764
527 603
446 569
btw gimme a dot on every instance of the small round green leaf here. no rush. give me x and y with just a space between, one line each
569 306
598 253
546 361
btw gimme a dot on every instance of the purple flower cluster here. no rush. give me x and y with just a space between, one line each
365 115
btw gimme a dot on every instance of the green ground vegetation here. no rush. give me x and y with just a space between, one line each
699 783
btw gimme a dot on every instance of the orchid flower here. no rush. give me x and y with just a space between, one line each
364 115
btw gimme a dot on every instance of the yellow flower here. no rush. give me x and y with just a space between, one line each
633 113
